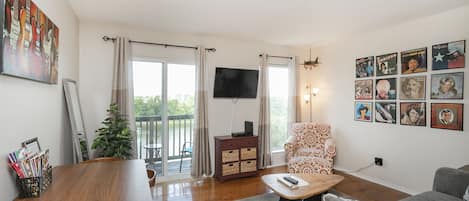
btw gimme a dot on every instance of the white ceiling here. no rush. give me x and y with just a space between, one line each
285 22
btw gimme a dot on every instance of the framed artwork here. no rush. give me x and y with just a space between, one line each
448 86
364 67
413 88
447 116
385 112
386 89
386 64
413 113
364 89
363 111
449 55
30 42
414 61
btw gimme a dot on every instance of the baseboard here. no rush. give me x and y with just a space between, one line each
378 181
277 165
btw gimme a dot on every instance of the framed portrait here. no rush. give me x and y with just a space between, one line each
386 89
386 64
413 113
413 88
364 67
414 61
363 111
30 45
447 116
364 89
385 112
448 86
449 55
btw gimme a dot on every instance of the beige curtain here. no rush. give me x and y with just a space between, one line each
264 114
122 85
201 162
293 95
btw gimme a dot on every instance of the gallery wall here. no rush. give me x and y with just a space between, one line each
96 63
32 109
411 154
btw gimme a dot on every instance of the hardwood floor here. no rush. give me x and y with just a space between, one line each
212 190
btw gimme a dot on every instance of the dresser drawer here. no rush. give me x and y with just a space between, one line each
249 166
230 155
230 168
248 153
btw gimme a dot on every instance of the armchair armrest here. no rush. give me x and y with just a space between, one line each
451 181
330 148
290 147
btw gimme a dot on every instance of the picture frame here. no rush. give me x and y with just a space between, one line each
447 116
449 86
32 145
451 55
364 67
364 89
30 46
363 111
413 114
386 64
414 61
385 112
413 87
385 89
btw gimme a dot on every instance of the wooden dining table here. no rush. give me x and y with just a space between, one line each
124 180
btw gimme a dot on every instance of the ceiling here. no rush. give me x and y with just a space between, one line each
284 22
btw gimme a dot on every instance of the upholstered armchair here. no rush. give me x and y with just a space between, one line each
310 148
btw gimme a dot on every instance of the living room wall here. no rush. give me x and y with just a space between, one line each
32 109
96 63
411 154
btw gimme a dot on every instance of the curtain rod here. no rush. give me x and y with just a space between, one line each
107 38
282 57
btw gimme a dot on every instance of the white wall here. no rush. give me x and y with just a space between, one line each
96 60
32 109
411 154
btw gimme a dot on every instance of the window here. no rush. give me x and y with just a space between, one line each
278 92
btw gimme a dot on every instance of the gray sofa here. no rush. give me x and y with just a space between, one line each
449 184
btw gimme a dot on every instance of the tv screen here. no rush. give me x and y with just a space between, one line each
235 83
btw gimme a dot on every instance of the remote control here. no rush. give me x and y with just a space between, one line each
291 180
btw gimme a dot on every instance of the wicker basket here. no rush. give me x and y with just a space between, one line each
34 186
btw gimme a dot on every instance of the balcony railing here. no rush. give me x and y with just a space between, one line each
150 136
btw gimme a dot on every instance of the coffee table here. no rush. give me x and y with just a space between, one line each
317 184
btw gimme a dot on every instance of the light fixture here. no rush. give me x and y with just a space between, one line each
310 64
307 98
310 92
315 91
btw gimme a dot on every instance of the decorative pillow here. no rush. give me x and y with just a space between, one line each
466 196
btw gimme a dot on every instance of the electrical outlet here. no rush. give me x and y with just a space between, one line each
378 161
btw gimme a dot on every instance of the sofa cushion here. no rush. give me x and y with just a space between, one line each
432 196
466 195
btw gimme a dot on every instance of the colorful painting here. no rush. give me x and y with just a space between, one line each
30 42
386 64
385 112
447 116
413 88
364 67
449 55
386 89
364 89
414 61
448 86
413 114
363 111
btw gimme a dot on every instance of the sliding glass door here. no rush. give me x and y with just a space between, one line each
278 92
164 107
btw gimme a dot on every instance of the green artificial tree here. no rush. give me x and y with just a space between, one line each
114 139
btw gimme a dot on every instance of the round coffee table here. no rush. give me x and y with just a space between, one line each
316 184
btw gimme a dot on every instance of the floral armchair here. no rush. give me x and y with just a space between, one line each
310 148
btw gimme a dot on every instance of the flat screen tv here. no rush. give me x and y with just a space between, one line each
235 83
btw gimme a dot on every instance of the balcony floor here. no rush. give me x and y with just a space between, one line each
173 167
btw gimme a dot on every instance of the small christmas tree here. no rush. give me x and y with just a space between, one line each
114 139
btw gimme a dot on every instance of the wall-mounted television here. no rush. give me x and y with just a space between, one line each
235 83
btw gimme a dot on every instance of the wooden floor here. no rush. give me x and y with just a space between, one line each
212 190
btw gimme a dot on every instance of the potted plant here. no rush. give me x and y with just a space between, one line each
114 139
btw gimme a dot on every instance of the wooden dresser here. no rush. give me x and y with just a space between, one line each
235 157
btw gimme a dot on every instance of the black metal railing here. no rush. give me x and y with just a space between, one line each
150 136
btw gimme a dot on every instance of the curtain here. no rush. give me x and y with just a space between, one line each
201 162
122 86
294 99
264 114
